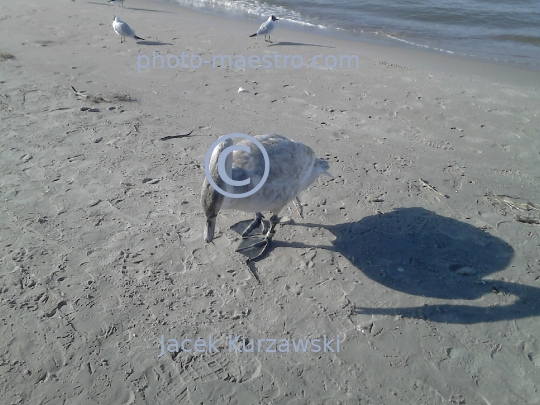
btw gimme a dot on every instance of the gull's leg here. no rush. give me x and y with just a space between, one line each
254 225
298 205
274 220
264 227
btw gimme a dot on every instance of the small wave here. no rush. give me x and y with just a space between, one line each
422 45
254 8
525 39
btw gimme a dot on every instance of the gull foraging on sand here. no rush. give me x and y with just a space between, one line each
124 30
293 168
266 28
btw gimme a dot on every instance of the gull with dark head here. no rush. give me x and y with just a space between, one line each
266 28
124 30
293 168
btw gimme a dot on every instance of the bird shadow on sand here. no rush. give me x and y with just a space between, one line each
145 42
281 43
417 252
115 6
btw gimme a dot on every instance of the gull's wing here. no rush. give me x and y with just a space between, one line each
126 30
265 28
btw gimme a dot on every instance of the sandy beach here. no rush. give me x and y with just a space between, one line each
416 269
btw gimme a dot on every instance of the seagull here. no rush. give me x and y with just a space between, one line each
117 1
293 168
266 28
124 30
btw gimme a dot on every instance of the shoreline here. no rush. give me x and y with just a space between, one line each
399 53
376 39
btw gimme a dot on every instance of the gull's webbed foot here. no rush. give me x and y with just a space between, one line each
258 247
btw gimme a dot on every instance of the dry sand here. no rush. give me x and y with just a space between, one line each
421 253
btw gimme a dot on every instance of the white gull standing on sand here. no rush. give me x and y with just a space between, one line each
266 28
293 168
124 30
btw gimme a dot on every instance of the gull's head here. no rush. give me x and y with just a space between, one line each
115 18
273 18
211 199
209 229
211 202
